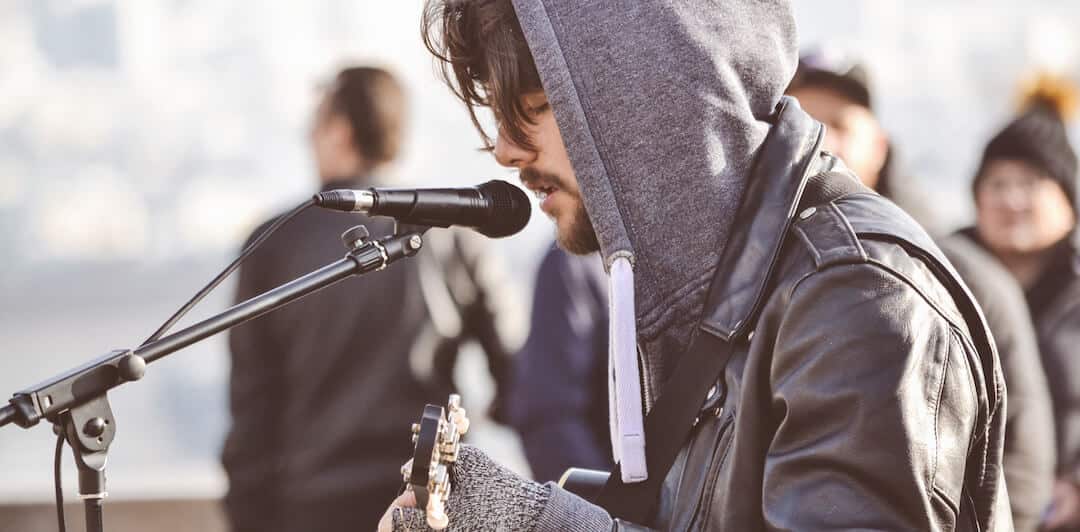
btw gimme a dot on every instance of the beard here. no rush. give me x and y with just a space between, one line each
579 237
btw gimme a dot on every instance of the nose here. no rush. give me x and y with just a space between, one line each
509 154
1016 198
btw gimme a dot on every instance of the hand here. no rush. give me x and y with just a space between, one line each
1064 512
483 496
405 500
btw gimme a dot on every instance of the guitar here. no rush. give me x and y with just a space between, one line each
436 439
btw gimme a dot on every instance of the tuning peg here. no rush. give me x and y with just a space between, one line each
461 420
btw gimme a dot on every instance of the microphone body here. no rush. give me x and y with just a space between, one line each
495 209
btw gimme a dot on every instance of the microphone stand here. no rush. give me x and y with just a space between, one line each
76 402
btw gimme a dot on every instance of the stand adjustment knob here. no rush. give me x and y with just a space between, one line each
355 237
94 427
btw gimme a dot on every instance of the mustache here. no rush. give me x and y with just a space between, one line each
532 176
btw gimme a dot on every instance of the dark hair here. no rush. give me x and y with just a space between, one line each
482 55
843 76
374 103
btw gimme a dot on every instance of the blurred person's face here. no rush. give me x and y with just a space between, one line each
1020 210
546 170
332 142
852 132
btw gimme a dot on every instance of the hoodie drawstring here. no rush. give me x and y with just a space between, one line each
624 375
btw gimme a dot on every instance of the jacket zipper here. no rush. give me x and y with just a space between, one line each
702 511
643 381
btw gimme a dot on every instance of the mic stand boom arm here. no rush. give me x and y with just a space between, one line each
76 401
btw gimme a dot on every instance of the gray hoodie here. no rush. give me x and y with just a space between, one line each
662 106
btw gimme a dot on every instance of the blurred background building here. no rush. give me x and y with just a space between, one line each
141 140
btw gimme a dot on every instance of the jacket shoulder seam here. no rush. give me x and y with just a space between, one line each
890 271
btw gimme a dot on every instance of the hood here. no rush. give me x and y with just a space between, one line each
662 107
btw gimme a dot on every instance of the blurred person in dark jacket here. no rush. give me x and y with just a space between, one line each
1029 423
836 91
834 88
323 391
559 393
1025 198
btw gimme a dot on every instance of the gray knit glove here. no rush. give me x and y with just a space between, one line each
486 496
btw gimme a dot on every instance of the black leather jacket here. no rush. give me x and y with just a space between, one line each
862 392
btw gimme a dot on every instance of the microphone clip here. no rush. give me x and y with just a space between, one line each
375 255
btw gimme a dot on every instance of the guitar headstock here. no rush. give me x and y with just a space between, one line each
437 439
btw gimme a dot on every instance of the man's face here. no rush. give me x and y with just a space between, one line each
546 170
1020 210
852 131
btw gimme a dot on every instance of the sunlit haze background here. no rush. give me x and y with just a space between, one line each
141 140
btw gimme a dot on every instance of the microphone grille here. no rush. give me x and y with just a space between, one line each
510 209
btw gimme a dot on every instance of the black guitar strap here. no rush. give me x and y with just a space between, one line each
667 428
669 424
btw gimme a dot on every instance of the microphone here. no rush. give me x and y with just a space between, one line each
495 209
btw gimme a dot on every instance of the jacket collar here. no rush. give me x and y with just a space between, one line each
788 158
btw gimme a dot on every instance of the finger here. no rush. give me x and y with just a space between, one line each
405 500
409 520
386 524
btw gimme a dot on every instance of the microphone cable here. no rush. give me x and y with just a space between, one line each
56 479
247 251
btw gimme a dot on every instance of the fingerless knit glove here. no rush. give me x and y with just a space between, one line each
486 496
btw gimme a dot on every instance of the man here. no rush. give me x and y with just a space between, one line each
856 387
836 92
835 89
323 391
1025 198
558 399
